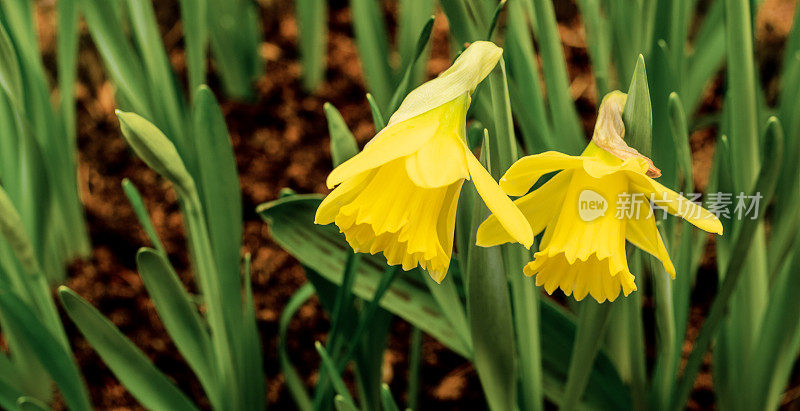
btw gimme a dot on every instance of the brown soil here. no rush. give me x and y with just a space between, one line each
281 140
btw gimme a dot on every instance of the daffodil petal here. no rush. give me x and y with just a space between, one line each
440 162
643 233
469 69
599 169
391 143
675 203
526 171
446 225
509 216
340 196
539 208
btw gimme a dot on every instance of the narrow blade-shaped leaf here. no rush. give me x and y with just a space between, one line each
152 388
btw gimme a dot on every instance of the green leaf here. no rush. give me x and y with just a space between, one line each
667 343
329 367
10 76
121 61
8 394
739 332
708 56
134 370
368 315
638 113
49 351
67 59
342 404
135 198
502 145
414 365
235 33
592 322
564 117
324 250
31 404
14 232
526 305
490 319
377 117
168 108
250 358
343 143
218 183
765 185
448 296
195 35
386 399
312 31
779 339
779 335
370 359
341 315
373 49
180 317
495 15
679 129
294 382
18 18
405 82
413 15
526 92
462 25
598 38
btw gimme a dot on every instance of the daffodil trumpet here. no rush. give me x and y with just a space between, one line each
582 250
399 195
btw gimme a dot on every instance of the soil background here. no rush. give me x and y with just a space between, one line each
281 140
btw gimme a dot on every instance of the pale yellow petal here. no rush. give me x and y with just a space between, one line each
598 168
643 233
524 173
391 143
438 163
447 219
341 196
596 287
675 203
612 287
539 208
469 69
499 204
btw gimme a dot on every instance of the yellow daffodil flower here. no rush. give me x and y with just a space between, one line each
582 211
399 195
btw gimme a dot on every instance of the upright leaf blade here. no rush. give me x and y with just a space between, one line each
51 353
218 183
195 33
373 49
565 120
312 32
343 143
180 317
152 388
491 325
